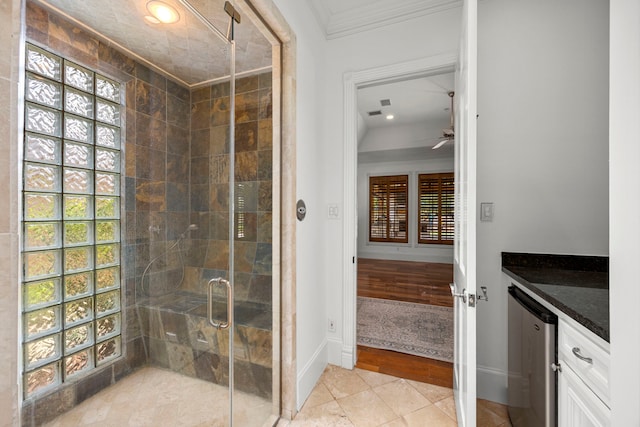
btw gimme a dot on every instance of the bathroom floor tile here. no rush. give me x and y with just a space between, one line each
366 409
342 382
329 414
318 396
401 397
157 397
385 400
342 398
432 392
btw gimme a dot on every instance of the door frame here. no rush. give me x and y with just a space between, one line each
351 82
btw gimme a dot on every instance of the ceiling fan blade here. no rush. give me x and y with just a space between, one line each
440 144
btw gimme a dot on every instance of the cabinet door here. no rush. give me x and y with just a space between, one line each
578 406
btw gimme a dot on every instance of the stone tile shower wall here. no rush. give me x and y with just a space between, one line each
209 256
180 337
175 173
155 191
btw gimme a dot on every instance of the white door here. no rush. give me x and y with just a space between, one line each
464 276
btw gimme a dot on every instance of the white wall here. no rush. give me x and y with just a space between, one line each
542 151
624 184
411 251
542 147
414 39
311 352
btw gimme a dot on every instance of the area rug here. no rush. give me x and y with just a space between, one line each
419 329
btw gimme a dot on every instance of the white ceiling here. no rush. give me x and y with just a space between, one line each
419 100
422 103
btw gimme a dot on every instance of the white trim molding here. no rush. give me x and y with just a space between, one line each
352 81
374 15
310 374
491 384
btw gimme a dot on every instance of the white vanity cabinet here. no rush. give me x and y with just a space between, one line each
583 380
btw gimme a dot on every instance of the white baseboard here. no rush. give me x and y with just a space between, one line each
310 374
348 357
491 384
334 347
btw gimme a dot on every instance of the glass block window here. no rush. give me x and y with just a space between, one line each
71 221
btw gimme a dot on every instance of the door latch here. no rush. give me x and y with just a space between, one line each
484 296
472 300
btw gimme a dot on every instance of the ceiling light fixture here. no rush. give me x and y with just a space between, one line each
162 12
390 116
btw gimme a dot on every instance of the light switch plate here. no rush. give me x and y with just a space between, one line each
333 211
486 211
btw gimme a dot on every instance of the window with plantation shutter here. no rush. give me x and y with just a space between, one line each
435 208
388 197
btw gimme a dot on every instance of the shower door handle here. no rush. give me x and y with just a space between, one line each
212 283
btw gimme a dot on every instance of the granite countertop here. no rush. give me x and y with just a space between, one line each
576 285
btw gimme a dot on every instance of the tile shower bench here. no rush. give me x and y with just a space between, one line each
180 338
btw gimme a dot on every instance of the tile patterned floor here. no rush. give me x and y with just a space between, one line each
156 397
364 398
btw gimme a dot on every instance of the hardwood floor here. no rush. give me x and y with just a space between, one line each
426 283
405 366
421 282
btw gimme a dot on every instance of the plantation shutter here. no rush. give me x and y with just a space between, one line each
388 208
436 221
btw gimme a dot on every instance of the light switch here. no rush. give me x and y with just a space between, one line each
486 212
333 212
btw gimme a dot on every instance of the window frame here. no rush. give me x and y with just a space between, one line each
441 179
388 227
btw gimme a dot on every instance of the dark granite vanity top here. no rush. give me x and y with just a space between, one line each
576 285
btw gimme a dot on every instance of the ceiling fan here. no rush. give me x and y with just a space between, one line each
447 134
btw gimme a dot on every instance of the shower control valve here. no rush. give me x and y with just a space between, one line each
301 210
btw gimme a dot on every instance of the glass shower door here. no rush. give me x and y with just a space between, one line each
238 242
193 213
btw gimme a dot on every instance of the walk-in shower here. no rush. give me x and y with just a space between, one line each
148 163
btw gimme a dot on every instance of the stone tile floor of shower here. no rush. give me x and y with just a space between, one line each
155 397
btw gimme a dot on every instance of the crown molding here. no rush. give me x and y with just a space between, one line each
371 16
321 12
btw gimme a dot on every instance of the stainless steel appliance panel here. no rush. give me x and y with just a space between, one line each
532 384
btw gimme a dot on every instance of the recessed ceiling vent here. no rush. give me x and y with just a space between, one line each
385 102
374 113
